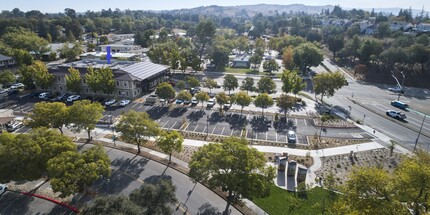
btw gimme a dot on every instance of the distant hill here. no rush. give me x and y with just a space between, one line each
252 10
271 9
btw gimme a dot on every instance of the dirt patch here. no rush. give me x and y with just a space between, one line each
341 165
325 142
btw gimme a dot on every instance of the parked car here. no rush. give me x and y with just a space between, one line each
396 89
211 95
291 135
179 101
14 126
396 114
17 86
3 188
110 102
124 102
4 90
194 101
152 99
211 102
227 105
12 91
187 102
45 95
218 85
73 98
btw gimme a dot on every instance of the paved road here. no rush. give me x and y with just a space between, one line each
376 100
131 171
17 203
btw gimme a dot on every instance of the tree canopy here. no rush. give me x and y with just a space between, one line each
266 85
230 83
238 169
243 99
137 127
165 91
84 115
263 101
325 84
170 142
50 115
247 84
73 80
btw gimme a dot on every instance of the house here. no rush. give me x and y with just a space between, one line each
400 26
114 55
241 61
120 48
6 117
131 78
6 62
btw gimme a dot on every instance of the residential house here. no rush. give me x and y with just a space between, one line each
423 28
241 61
6 62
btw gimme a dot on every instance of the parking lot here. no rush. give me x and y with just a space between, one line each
209 121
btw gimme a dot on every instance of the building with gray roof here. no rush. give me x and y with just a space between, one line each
132 78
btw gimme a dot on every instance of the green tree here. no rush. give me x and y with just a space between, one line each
335 44
156 198
306 55
181 85
270 65
165 91
42 78
288 81
25 156
285 102
86 168
73 80
412 182
221 99
70 54
383 30
137 128
205 33
202 97
230 83
243 99
170 142
419 54
84 115
369 191
210 83
266 85
24 39
184 95
263 101
220 56
287 58
247 84
93 79
238 169
369 47
100 80
255 60
50 115
299 85
192 82
111 204
327 83
7 77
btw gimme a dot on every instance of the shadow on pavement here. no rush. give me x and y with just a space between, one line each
196 115
157 112
236 121
155 179
208 209
260 124
126 167
177 112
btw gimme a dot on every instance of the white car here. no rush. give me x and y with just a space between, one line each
3 188
110 102
44 95
17 86
291 137
396 89
124 102
396 114
211 102
4 90
73 98
194 101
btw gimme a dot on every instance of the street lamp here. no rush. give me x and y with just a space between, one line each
207 125
398 83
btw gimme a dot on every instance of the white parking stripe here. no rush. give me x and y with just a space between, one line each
196 128
222 130
305 122
165 123
296 121
213 129
174 124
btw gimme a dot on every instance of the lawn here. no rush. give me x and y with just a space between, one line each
243 71
284 202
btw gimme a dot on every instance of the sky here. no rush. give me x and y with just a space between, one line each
97 5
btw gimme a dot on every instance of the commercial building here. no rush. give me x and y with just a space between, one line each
131 78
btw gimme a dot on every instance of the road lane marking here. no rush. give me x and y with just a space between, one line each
305 122
134 105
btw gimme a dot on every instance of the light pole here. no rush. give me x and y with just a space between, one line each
398 83
419 133
207 125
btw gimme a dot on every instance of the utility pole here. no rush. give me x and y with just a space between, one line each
398 83
419 133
